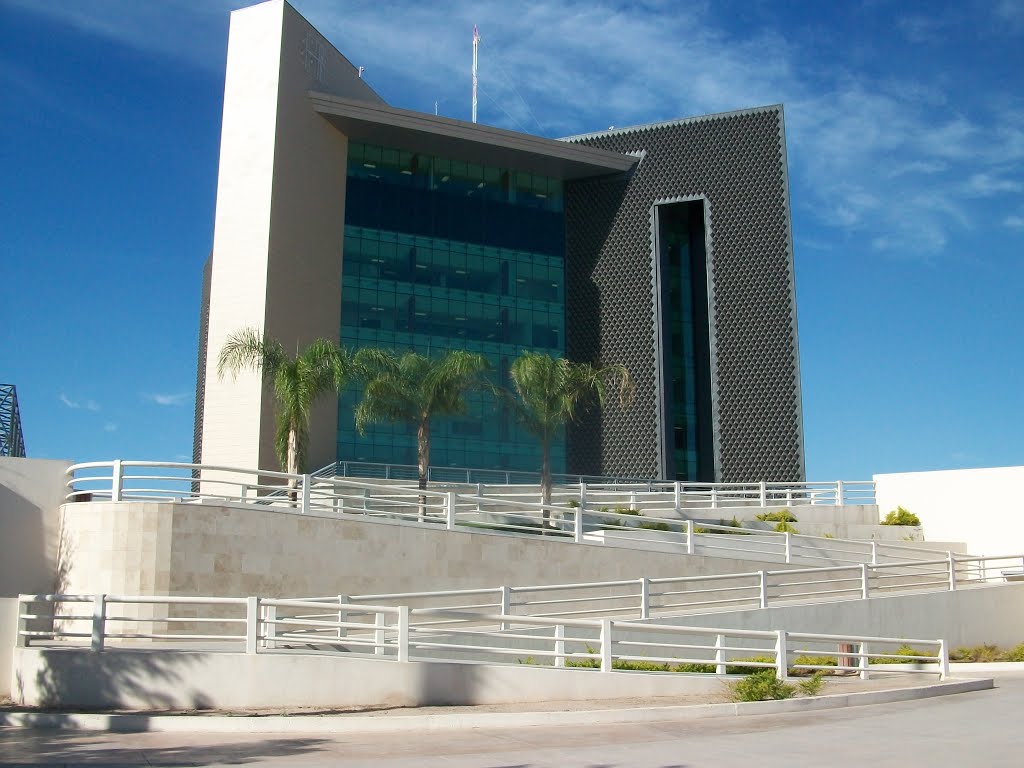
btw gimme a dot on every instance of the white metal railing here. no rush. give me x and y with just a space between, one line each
648 517
462 475
649 598
709 495
390 633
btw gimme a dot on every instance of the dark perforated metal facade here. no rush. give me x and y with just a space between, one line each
736 164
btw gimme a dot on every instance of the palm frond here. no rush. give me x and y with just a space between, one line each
248 349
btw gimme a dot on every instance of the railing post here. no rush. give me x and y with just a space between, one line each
943 660
116 480
577 525
99 621
632 501
380 637
762 488
645 597
305 494
252 620
449 510
952 572
714 497
21 640
865 584
690 543
719 655
506 606
342 616
270 627
874 553
789 546
781 655
559 645
839 493
863 664
583 495
606 645
403 633
677 497
763 589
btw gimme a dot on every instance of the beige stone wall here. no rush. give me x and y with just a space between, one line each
235 551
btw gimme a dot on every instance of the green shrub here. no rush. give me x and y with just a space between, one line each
737 667
814 661
781 516
626 511
701 668
812 686
785 527
900 516
655 526
986 653
734 523
904 650
978 653
573 504
761 686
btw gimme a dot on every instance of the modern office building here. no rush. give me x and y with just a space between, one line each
664 247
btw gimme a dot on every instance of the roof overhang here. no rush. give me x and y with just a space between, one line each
470 142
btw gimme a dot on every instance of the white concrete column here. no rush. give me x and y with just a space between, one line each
99 622
252 620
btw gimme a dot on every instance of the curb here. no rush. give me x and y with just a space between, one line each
351 724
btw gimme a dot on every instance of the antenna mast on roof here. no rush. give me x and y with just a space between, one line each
476 48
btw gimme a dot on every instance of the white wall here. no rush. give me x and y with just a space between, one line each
197 680
984 508
8 635
279 224
31 492
992 614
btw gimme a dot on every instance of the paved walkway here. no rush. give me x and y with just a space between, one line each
973 729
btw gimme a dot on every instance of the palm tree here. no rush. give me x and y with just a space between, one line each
552 392
414 389
320 368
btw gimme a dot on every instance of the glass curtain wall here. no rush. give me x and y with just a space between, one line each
441 255
686 340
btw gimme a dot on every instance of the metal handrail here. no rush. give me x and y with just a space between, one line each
622 640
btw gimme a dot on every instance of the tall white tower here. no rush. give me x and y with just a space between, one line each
476 48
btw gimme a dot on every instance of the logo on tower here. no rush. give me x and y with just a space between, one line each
314 56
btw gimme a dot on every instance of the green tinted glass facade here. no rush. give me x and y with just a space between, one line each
443 255
687 363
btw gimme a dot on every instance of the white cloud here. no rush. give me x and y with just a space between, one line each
110 427
868 148
168 399
1013 221
987 185
89 405
181 29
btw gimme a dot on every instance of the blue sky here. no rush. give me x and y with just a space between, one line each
905 126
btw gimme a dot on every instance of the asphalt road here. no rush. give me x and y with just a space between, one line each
974 729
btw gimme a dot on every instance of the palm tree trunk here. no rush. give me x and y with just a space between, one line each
293 460
545 480
423 459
